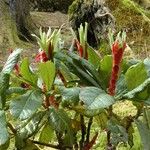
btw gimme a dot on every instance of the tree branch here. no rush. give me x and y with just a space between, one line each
88 130
11 128
83 132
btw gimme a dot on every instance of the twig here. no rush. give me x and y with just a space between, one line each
88 130
109 145
83 132
11 128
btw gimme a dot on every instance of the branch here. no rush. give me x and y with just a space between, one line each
11 128
88 130
83 131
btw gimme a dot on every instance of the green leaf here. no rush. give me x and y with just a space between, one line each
76 68
135 75
26 72
70 96
4 85
60 122
144 133
105 70
69 77
88 67
47 73
131 94
4 135
93 57
147 65
118 132
95 98
11 61
29 127
16 90
121 87
26 105
46 134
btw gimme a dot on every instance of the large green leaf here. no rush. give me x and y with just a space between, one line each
47 134
70 96
26 72
76 67
88 67
95 98
4 135
105 70
4 85
135 75
144 134
69 77
25 105
29 127
11 61
93 57
131 94
60 122
47 73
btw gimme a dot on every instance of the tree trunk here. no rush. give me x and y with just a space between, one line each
20 12
8 31
96 14
14 23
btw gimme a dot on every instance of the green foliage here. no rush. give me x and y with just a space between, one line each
60 121
53 101
70 96
135 76
95 98
47 134
11 61
27 73
23 106
4 135
47 74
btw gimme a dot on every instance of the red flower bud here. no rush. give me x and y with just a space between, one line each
117 53
41 56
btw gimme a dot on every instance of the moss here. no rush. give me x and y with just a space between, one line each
135 20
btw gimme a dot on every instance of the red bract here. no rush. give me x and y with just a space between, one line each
17 69
41 57
79 48
117 53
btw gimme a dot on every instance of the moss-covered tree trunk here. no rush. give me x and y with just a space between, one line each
8 31
96 14
20 11
14 18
